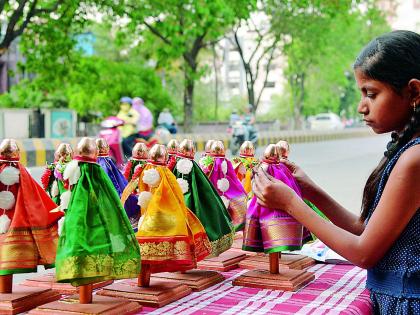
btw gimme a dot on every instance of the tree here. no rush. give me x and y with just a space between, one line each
256 62
17 15
320 42
184 28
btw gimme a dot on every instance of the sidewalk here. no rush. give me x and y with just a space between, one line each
37 151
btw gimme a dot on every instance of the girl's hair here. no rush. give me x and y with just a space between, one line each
392 58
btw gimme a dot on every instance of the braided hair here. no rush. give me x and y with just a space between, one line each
392 58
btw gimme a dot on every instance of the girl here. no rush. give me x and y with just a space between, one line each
385 239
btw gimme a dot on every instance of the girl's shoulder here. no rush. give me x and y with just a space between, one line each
407 170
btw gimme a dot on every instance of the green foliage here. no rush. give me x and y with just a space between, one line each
93 85
321 41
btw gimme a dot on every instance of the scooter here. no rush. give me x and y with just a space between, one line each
112 135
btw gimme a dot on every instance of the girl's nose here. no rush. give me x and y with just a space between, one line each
362 108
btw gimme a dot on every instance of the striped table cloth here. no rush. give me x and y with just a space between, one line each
337 289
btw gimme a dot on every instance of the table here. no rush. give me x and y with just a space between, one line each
337 289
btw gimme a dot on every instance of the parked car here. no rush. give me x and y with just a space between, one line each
326 121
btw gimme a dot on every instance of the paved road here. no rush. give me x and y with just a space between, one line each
341 167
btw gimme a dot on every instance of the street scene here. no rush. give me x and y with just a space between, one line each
209 157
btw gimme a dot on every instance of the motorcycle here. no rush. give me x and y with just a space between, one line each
240 132
112 135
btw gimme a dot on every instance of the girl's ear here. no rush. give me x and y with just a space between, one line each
414 88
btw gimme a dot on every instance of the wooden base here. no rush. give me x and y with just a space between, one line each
285 280
197 280
102 305
48 281
288 261
23 299
224 262
160 292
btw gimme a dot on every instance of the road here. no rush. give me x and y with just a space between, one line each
341 167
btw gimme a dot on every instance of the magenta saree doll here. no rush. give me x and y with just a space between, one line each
222 175
273 230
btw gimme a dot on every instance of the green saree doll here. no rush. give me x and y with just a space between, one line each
202 198
97 242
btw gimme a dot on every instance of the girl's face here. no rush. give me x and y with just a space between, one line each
383 109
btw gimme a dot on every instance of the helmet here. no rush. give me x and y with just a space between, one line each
126 99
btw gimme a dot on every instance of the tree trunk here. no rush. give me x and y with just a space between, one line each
188 101
216 83
297 85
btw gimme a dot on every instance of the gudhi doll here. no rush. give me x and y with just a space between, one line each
138 160
244 164
203 199
172 148
223 177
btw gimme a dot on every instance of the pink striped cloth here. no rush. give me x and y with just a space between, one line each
337 289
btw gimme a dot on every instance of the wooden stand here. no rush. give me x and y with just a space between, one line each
48 281
224 262
85 304
19 299
197 280
146 291
286 279
287 261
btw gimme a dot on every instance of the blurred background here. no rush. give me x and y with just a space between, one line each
65 64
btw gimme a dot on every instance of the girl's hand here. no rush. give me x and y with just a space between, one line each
272 193
304 181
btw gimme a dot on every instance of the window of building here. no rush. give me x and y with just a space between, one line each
270 84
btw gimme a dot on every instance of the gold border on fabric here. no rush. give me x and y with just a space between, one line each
101 265
222 244
24 248
237 210
165 250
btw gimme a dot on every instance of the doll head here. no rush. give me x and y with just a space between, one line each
186 149
217 148
140 151
207 148
103 147
64 153
9 150
172 146
284 148
271 154
158 154
247 149
87 148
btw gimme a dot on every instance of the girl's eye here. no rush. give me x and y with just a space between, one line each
370 95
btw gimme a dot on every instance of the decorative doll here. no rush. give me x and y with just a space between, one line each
97 242
272 231
284 150
244 164
52 179
28 230
222 175
172 150
171 237
138 157
203 199
262 224
117 179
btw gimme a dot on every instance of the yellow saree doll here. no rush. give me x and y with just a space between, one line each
171 237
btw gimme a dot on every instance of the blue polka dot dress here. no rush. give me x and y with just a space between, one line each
394 282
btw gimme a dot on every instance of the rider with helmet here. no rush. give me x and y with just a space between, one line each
129 130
